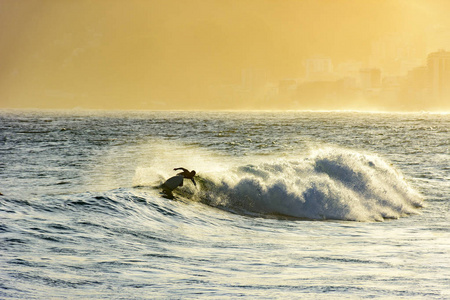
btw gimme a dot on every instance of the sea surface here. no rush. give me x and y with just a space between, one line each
288 205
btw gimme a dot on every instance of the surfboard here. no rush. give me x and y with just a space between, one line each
167 194
172 183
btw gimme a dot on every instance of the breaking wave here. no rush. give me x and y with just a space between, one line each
328 184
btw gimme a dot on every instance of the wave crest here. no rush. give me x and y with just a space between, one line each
329 184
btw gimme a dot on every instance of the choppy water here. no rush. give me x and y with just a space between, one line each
310 205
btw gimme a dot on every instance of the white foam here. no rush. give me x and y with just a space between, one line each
330 183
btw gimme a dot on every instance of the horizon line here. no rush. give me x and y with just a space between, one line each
79 109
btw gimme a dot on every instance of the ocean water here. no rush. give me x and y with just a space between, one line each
288 205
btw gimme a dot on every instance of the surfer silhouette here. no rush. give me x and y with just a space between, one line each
177 180
186 174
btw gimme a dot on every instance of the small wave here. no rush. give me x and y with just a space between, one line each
330 183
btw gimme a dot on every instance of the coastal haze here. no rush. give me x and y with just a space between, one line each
191 55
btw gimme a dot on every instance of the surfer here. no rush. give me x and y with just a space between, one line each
177 180
186 174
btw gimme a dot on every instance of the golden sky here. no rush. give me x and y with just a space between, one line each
178 54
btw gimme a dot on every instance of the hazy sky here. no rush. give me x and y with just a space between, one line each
170 54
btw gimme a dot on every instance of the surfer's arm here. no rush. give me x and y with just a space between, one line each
181 169
193 181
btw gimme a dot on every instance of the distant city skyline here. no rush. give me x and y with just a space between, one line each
249 54
420 86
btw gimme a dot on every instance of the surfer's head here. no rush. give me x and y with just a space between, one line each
192 173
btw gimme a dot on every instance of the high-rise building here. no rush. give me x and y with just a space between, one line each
396 54
370 78
319 68
438 64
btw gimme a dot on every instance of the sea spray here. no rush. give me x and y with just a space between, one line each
330 183
158 158
326 183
